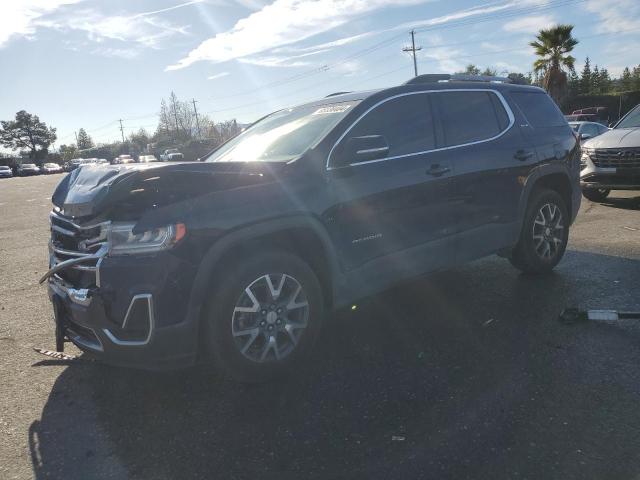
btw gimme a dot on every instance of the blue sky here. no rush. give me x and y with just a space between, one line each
88 63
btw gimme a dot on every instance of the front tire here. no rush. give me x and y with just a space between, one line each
264 317
545 233
595 194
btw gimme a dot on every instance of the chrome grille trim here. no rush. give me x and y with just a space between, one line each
79 247
615 157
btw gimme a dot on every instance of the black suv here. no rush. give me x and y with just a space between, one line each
237 258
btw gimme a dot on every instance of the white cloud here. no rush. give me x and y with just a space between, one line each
281 23
18 17
144 30
531 24
616 15
447 58
218 75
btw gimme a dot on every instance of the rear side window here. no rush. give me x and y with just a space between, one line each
468 117
406 122
539 109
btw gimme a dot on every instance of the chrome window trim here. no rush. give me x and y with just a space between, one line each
135 343
424 92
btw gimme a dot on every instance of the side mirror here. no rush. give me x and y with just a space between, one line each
362 149
585 136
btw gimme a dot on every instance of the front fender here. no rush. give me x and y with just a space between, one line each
222 245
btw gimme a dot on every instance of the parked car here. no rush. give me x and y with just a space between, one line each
26 169
5 172
49 168
102 161
587 130
171 155
611 161
71 165
590 114
237 258
123 159
147 158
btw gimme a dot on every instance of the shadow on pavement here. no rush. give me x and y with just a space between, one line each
462 374
629 203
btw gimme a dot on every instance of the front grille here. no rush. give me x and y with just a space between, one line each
71 241
616 157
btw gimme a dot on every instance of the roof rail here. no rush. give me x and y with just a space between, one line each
456 77
336 93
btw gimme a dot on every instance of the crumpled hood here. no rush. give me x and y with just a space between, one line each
131 189
616 138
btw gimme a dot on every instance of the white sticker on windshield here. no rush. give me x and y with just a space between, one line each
331 109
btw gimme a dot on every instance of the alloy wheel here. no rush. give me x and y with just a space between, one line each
269 317
548 231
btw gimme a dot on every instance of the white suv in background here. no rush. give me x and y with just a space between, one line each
611 161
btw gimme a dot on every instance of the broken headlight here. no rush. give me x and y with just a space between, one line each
122 240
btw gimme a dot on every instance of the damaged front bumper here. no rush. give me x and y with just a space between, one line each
129 311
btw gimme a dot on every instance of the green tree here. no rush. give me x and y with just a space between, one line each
84 140
471 69
595 80
27 132
68 152
585 77
635 78
490 72
519 78
605 81
574 83
552 46
625 80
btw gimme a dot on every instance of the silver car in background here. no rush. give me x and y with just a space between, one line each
611 161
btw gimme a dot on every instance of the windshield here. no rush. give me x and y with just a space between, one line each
632 120
283 135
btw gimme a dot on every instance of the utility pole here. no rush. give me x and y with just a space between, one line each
121 130
413 49
76 134
175 115
196 112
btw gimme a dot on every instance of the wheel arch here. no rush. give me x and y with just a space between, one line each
552 177
301 235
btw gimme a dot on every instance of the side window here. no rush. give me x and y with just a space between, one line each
406 123
539 109
470 116
590 129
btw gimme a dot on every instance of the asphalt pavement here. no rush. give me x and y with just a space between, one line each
463 374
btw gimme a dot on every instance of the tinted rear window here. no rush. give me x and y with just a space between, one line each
470 116
539 109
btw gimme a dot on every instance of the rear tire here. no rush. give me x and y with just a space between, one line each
544 235
264 317
595 194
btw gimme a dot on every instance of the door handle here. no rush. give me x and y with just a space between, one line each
436 170
523 155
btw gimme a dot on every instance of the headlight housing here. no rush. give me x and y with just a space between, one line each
586 156
122 240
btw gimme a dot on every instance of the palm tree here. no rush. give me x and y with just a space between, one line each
552 46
